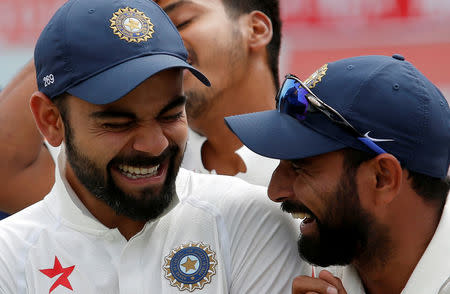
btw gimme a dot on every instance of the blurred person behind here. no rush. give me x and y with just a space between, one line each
236 44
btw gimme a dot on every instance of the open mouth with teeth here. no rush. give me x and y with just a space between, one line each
309 222
134 172
306 217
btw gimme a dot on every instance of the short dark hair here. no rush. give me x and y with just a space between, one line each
272 9
429 188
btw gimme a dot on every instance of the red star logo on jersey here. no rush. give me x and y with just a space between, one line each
56 270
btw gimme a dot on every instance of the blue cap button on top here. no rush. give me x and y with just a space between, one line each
398 56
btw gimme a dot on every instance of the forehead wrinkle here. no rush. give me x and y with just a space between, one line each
104 114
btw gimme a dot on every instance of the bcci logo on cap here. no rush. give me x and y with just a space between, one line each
316 77
131 25
190 266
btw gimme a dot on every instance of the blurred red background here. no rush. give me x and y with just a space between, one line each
319 31
314 32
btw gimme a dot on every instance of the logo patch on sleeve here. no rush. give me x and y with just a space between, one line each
190 266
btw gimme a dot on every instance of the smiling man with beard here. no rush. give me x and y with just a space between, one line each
344 220
122 217
235 43
364 145
147 205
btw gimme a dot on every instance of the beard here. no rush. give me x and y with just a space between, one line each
148 205
346 234
197 103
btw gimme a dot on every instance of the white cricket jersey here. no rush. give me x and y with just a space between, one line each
222 235
259 168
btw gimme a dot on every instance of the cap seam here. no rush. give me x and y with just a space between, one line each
357 96
424 110
364 83
67 57
63 48
408 154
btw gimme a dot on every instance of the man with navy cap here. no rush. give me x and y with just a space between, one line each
122 217
364 145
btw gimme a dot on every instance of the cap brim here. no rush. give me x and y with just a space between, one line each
114 83
277 135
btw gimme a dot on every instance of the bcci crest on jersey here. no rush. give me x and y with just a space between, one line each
131 25
190 266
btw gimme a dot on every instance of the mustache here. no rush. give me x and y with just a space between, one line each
142 159
292 207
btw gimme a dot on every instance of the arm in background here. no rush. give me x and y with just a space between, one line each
27 168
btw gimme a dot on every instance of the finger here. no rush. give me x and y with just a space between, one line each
305 284
333 280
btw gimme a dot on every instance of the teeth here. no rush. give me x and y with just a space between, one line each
138 172
301 215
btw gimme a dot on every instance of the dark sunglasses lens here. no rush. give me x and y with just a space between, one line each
292 99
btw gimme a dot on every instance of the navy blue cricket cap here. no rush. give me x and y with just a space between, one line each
100 50
385 98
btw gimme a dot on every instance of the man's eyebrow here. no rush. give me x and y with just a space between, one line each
177 101
300 162
171 7
108 114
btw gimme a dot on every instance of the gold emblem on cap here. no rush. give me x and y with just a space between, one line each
316 76
131 25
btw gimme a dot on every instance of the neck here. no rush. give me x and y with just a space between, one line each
101 211
252 91
411 228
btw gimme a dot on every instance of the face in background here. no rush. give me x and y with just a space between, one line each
336 229
128 153
215 46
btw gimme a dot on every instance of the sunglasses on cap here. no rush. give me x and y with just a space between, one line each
296 100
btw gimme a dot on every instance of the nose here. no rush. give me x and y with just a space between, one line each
150 139
282 182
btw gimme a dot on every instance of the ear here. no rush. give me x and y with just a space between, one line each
260 30
383 178
47 118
